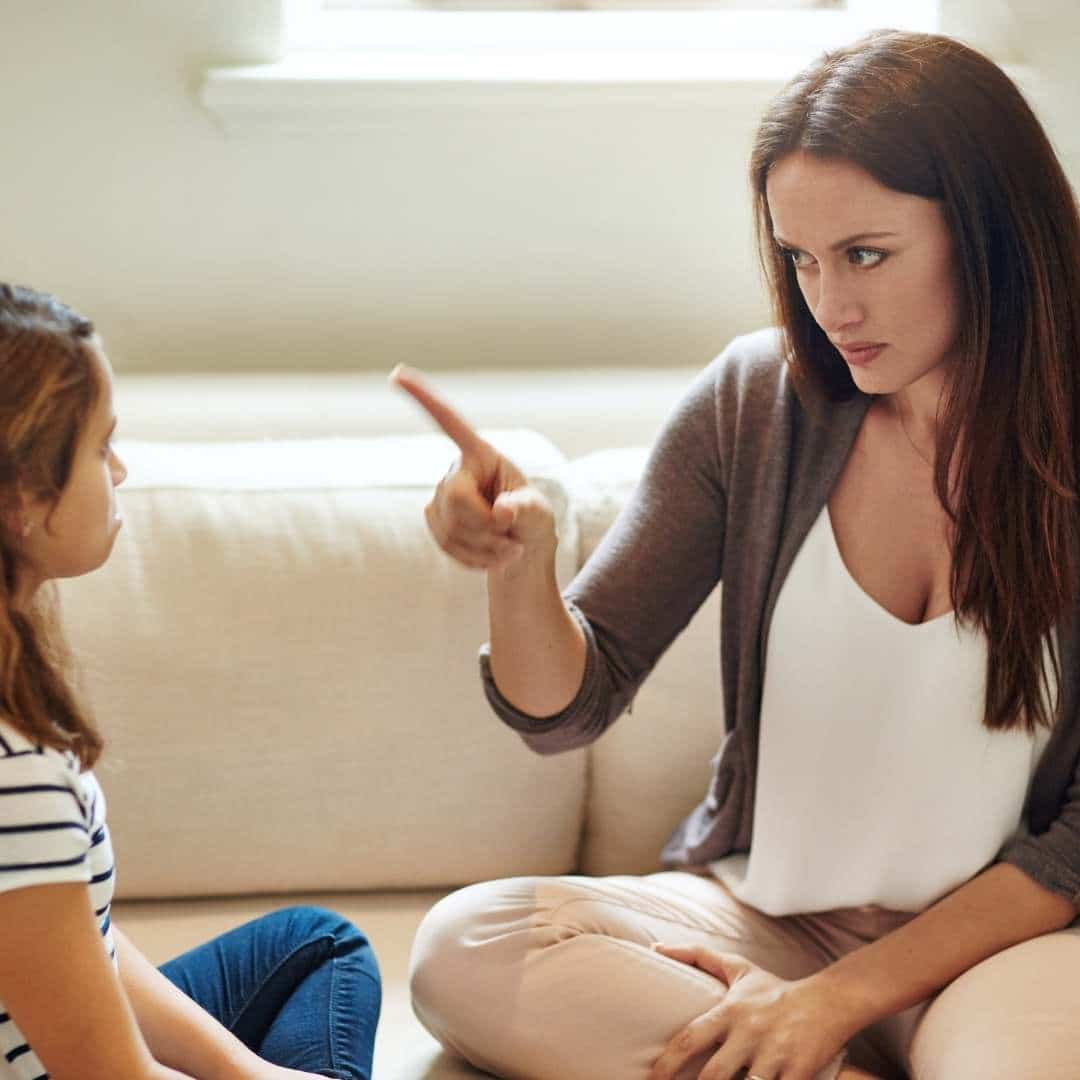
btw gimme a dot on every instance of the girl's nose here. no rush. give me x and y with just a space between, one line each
119 471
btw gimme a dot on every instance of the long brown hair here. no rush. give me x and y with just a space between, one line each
48 388
926 115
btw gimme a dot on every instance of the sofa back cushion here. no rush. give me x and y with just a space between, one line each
284 665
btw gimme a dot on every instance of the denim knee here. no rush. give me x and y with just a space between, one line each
306 923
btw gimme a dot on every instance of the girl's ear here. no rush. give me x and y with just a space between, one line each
15 523
17 518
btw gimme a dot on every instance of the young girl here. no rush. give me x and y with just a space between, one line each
293 994
889 851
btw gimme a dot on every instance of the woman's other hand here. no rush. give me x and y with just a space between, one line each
771 1027
483 512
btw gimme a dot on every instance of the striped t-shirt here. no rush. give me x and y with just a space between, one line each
52 831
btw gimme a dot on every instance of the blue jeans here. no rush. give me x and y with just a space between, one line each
299 987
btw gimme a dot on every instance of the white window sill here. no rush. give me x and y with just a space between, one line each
350 92
333 91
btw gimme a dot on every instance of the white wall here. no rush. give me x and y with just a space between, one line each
600 234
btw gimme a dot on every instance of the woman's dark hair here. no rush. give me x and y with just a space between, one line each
926 115
48 388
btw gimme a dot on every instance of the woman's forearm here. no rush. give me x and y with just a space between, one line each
537 647
998 908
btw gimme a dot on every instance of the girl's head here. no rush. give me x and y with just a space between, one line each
58 511
976 283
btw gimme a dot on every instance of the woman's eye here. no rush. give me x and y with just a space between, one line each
866 257
799 259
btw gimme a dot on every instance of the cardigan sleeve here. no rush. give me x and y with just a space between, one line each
1047 849
655 566
1052 858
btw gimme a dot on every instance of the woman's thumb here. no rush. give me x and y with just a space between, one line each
504 511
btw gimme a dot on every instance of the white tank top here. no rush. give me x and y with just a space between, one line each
877 782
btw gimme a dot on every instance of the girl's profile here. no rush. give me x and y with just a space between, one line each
77 998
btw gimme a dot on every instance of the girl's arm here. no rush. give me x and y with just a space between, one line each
62 991
86 1023
178 1032
183 1035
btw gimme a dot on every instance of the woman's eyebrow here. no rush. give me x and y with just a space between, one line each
840 243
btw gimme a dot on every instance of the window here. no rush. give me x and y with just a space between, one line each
760 26
744 6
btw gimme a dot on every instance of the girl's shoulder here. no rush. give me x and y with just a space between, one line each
12 740
25 762
52 816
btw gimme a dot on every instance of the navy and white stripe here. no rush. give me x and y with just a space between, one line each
52 831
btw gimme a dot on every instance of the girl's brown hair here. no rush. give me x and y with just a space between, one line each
928 116
48 387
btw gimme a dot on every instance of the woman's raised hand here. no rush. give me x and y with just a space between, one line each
483 512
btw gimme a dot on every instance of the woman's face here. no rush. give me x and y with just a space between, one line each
74 534
875 267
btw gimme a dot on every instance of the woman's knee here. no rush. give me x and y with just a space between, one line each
990 1051
445 947
1013 1015
470 947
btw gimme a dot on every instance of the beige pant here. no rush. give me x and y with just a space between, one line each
553 979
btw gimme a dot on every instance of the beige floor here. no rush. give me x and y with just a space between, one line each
403 1050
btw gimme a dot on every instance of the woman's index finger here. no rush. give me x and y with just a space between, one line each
467 440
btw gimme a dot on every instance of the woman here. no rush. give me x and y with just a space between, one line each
293 994
888 855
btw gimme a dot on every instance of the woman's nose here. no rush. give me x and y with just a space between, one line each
836 305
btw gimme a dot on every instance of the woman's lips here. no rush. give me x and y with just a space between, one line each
859 355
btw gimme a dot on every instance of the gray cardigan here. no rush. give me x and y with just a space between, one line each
737 477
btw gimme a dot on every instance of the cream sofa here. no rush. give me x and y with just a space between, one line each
285 664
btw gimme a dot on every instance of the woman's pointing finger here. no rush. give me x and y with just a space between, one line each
468 441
